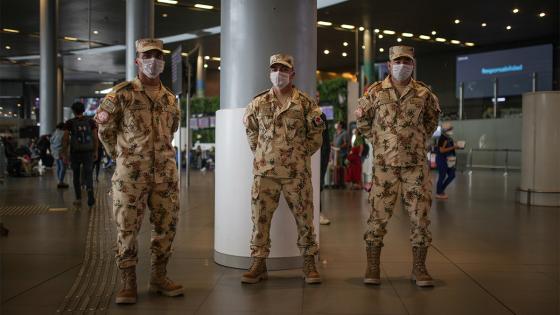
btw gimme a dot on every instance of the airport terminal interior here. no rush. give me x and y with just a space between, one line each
487 212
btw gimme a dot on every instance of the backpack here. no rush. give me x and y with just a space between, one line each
81 137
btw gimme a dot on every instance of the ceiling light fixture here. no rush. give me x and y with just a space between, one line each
434 32
326 52
457 21
426 37
184 54
164 15
483 24
380 36
361 29
348 26
441 40
376 30
344 54
219 67
542 14
407 34
469 44
508 27
455 42
206 57
324 23
95 32
10 30
515 11
168 1
363 46
205 65
165 51
79 58
389 32
381 50
345 44
399 39
73 39
216 58
204 6
8 47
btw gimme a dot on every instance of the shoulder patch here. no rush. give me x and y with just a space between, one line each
121 85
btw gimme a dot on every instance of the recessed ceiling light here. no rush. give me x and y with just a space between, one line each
399 39
380 36
515 11
542 14
344 54
10 30
164 15
363 46
205 65
18 105
204 6
381 50
73 39
508 27
426 37
376 30
184 54
345 44
219 67
440 39
8 47
407 34
389 32
79 58
165 51
457 21
216 58
434 32
455 42
95 32
326 52
206 57
469 44
483 24
324 23
347 26
168 1
361 29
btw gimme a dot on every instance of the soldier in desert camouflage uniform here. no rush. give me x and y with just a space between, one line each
399 115
137 121
284 128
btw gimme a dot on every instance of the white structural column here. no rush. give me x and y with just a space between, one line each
139 24
253 30
48 77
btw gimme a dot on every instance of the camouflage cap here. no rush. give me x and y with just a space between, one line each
283 59
401 51
145 44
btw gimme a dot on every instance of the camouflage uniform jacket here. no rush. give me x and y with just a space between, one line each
137 131
283 139
398 127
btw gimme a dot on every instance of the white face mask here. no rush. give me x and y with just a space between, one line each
401 72
152 67
279 79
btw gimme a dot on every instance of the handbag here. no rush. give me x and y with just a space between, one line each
451 161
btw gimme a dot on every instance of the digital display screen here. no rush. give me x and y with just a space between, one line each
193 123
513 69
203 122
328 111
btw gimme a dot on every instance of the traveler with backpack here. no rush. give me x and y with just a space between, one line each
80 140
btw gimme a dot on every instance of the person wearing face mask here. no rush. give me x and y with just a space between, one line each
398 115
284 128
137 121
445 160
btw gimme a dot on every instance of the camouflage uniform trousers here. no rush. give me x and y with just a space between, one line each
129 204
413 185
265 197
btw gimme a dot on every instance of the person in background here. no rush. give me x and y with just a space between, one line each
445 160
325 155
80 145
56 147
97 163
354 169
340 148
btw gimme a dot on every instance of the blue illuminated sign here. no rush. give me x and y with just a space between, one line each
504 69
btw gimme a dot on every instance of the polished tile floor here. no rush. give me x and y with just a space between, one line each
490 255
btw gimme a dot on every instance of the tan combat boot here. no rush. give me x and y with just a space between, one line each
256 272
309 271
419 272
127 294
373 269
160 283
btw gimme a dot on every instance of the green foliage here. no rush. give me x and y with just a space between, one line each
207 135
335 92
205 106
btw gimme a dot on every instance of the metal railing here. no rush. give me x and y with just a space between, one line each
506 165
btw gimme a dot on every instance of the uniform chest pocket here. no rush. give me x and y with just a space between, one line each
386 114
169 115
135 117
413 112
292 126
